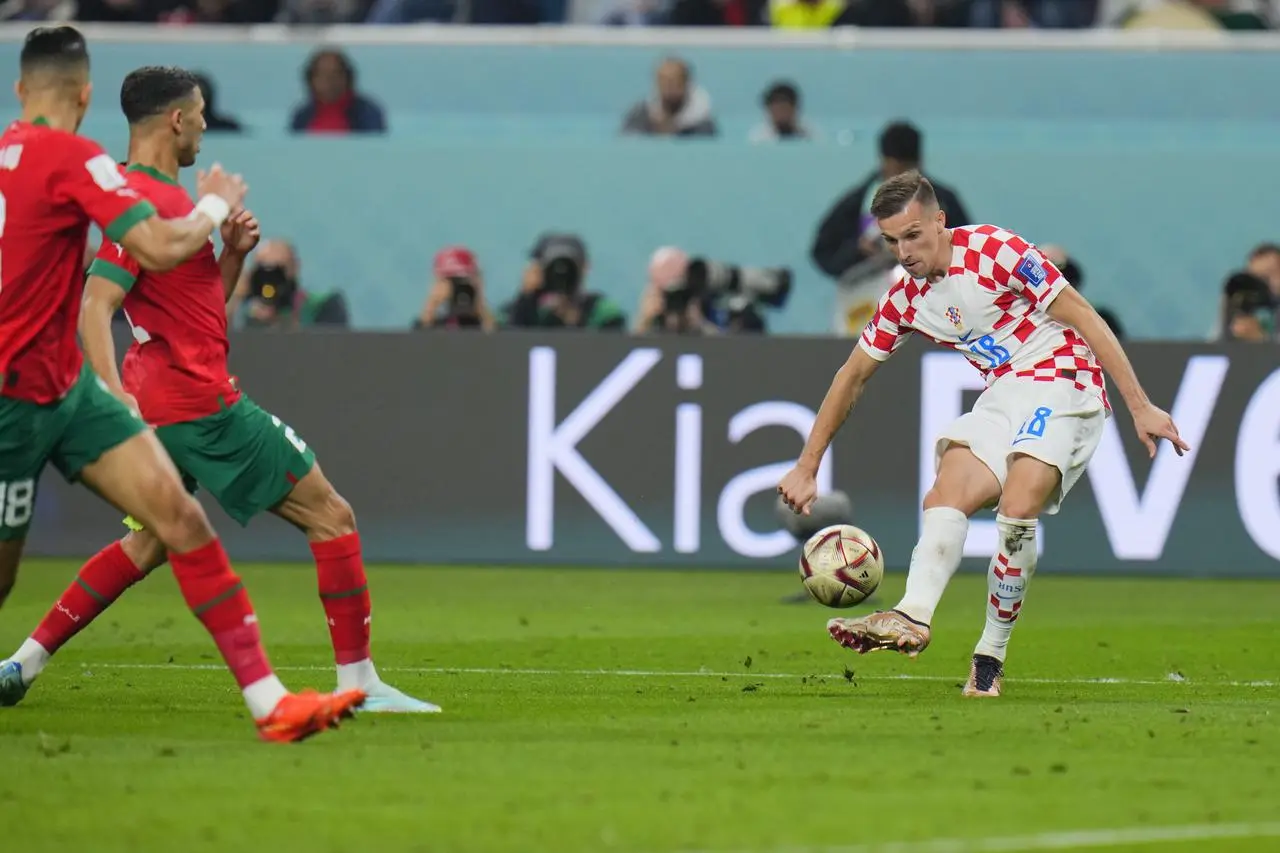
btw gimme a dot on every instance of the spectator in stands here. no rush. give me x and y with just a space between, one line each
676 108
1263 266
663 306
553 295
1019 14
411 11
333 104
38 10
633 13
456 299
848 247
1250 313
215 121
269 295
1264 262
782 115
805 14
718 13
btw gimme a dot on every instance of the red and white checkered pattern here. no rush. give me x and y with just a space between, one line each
1002 308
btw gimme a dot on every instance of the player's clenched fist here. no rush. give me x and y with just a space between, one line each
799 489
230 188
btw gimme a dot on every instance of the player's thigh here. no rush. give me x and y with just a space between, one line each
28 434
1060 430
113 453
315 507
247 458
971 457
964 481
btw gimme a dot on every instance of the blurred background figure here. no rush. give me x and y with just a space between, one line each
782 115
333 104
1250 309
553 292
677 106
847 246
456 298
215 120
270 296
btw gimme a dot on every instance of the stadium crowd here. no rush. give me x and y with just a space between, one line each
787 14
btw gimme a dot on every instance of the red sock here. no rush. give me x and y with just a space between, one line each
101 581
217 597
344 592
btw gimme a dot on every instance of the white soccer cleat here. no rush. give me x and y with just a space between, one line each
884 630
985 675
382 698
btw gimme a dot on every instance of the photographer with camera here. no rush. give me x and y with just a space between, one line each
269 296
1249 309
456 299
699 296
552 294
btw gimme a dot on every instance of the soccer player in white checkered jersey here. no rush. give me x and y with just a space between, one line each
992 296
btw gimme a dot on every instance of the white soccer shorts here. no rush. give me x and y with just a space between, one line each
1054 422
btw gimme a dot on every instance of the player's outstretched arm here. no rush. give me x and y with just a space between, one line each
102 299
1151 422
799 488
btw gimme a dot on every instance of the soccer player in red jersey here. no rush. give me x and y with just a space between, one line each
176 376
987 293
53 408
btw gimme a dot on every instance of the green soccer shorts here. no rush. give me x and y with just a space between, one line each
247 458
71 433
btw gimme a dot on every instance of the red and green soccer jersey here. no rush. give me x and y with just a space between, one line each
177 366
52 184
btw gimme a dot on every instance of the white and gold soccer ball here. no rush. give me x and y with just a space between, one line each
841 565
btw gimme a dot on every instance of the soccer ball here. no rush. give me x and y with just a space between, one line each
841 565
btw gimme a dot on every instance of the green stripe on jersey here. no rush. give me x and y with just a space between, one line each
113 273
131 217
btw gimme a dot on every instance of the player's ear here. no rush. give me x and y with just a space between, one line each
942 218
86 95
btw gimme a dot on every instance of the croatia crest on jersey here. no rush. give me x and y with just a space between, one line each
953 314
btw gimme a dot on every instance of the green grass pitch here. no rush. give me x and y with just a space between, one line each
658 711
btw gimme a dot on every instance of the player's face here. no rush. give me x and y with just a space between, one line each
190 130
915 238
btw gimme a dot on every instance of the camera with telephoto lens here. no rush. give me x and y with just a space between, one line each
273 286
732 292
563 259
1251 297
462 302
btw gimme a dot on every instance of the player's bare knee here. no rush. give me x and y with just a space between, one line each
185 526
334 518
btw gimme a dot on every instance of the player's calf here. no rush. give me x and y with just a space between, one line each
1029 486
315 507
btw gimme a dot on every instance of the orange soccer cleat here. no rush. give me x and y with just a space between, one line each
298 716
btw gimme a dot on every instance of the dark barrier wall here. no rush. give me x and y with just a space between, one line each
599 450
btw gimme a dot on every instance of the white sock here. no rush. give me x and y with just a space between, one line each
358 675
934 561
32 657
263 695
1007 579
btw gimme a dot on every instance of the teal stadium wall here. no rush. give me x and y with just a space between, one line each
1157 169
